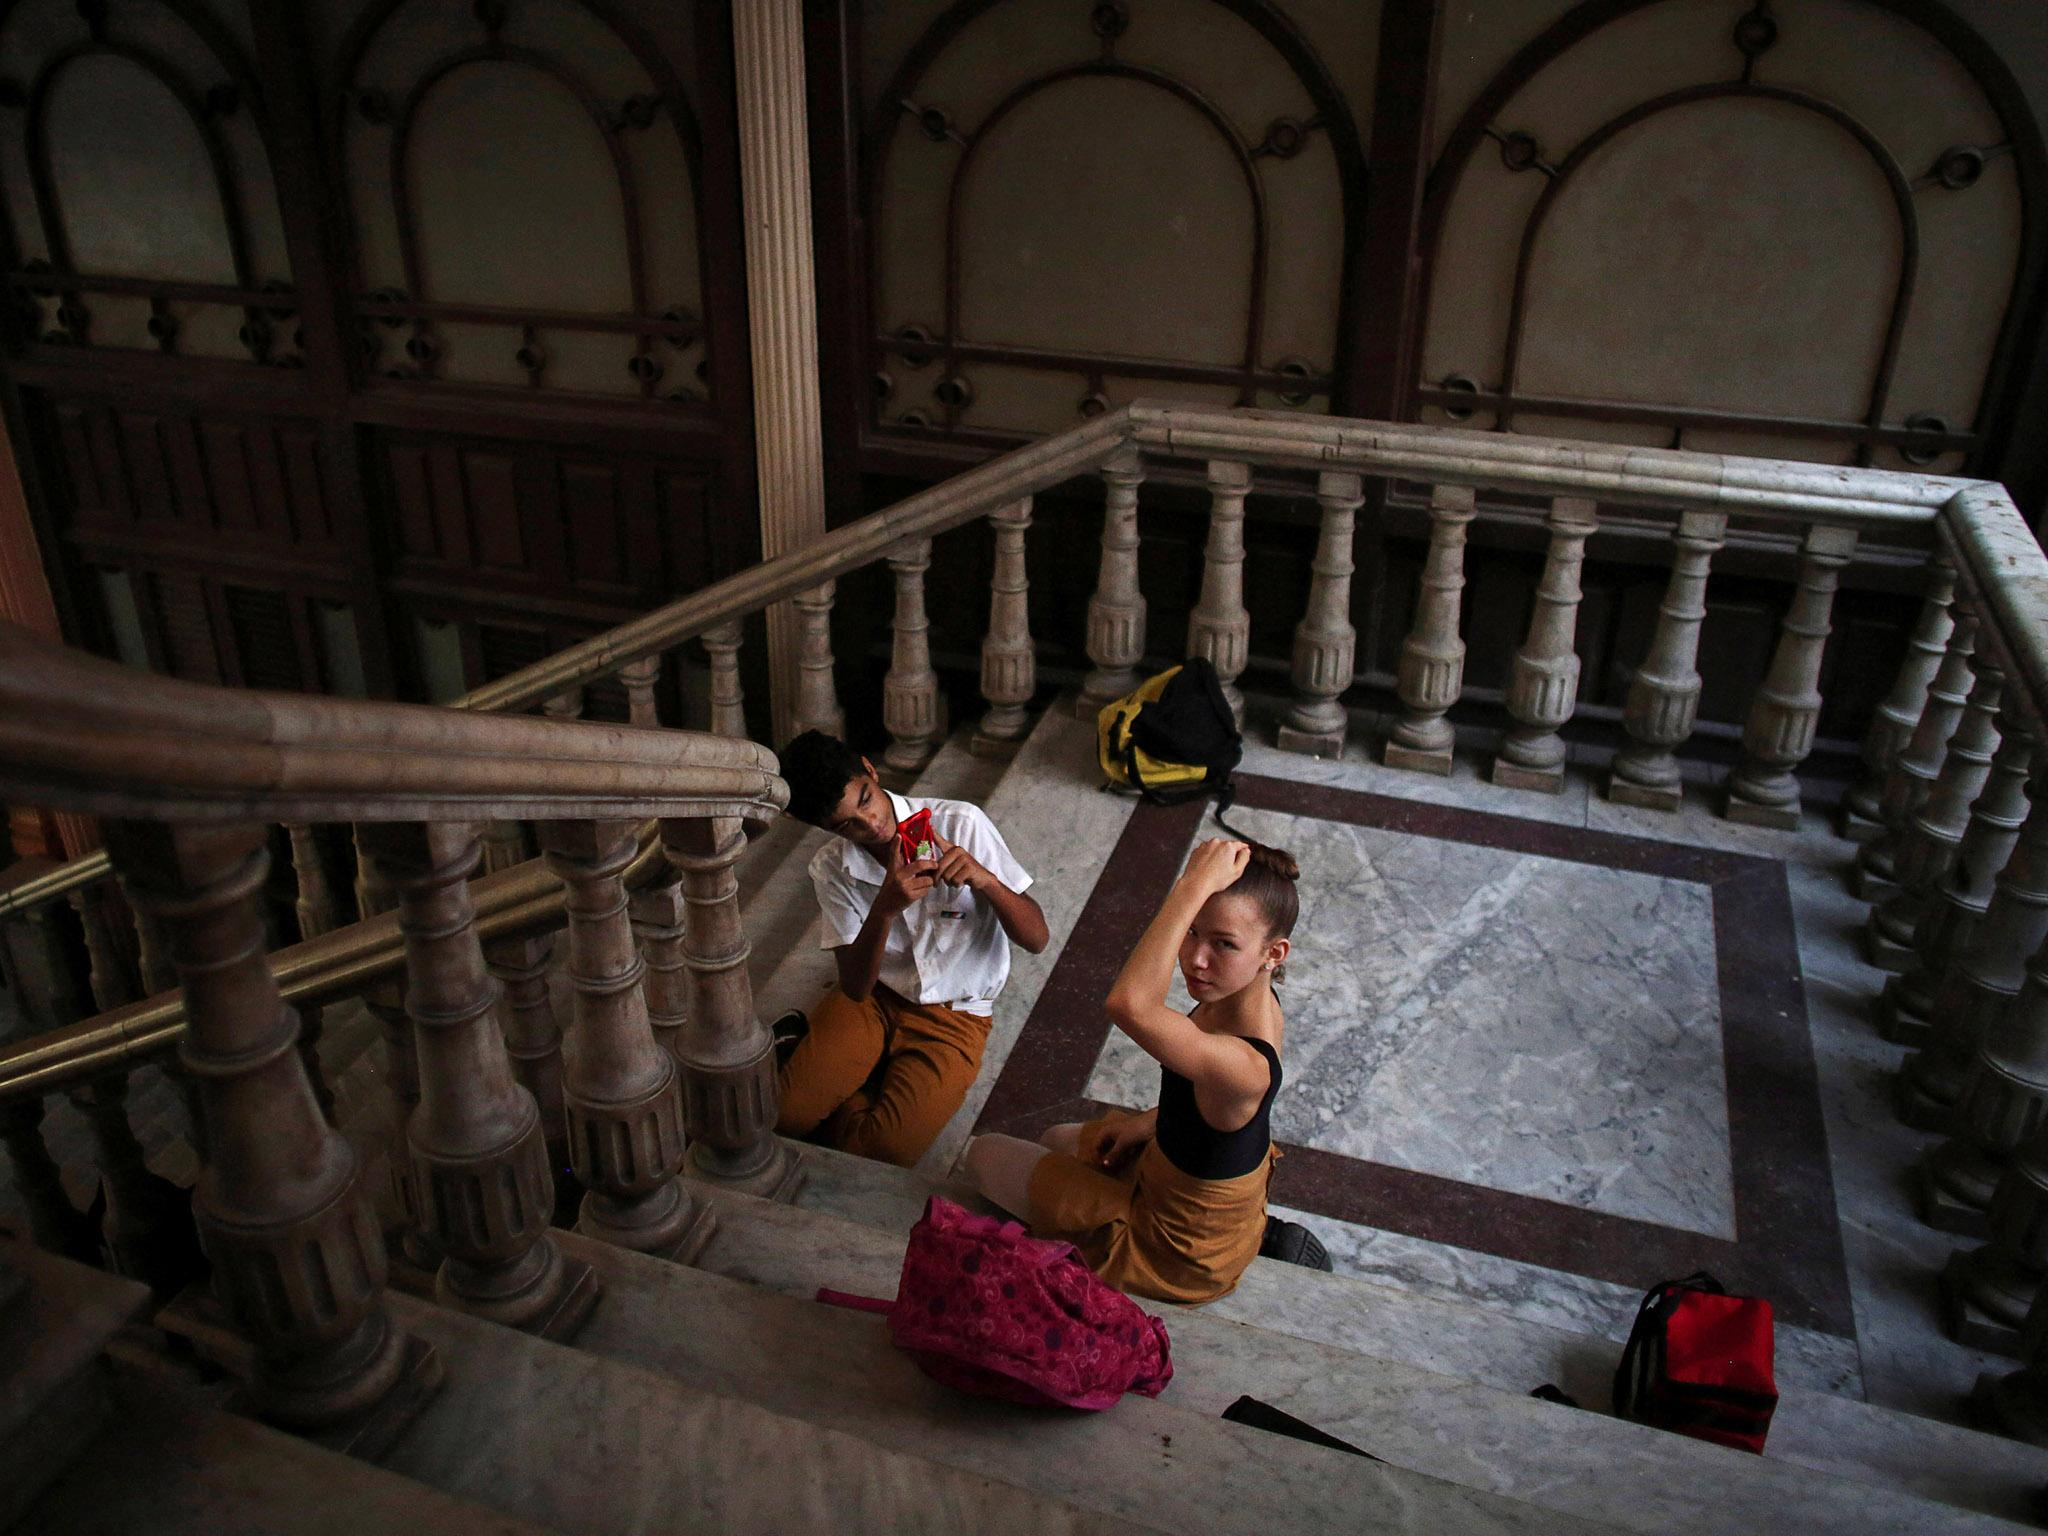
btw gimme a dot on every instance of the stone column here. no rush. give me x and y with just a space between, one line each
638 678
817 693
1220 629
1918 764
1544 685
1431 672
479 1152
54 1222
297 1259
316 897
624 1103
1982 984
566 705
1762 791
1987 1292
782 315
1891 726
1905 1006
1116 613
910 690
504 846
728 701
2016 1404
1928 843
2001 1107
728 1058
1009 664
1664 695
1325 643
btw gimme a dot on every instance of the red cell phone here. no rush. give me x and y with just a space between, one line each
915 833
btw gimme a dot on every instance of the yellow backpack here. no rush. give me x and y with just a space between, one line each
1172 738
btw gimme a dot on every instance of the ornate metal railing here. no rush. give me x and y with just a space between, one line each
1954 840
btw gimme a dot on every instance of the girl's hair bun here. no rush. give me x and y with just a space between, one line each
1275 861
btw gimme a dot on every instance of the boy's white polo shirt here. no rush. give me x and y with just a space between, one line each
948 947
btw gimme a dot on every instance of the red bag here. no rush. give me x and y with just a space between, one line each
1698 1361
986 1308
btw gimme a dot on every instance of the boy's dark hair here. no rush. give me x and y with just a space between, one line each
818 768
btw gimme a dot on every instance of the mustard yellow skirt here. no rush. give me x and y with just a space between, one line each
1153 1231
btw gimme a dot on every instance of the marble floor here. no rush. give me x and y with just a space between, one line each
1542 1050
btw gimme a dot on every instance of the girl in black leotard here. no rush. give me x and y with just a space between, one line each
1171 1203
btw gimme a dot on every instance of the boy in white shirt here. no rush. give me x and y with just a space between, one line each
923 947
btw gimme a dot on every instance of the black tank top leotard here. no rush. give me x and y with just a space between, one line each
1196 1147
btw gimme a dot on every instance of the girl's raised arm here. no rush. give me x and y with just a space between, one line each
1137 1002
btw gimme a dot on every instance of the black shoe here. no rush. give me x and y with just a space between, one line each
1292 1243
788 1032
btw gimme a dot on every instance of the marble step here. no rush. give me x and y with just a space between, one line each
1820 1431
571 1439
56 1320
1168 1465
188 1469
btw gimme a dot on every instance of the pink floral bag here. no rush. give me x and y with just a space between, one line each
988 1309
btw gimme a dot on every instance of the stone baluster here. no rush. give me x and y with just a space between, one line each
1544 685
504 846
728 1058
1918 763
297 1257
2016 1403
1929 841
479 1154
624 1105
1009 664
1116 613
415 1261
2001 1107
56 1224
1905 1007
114 975
1891 725
639 678
533 1041
658 914
1983 982
148 1225
817 691
1325 643
1763 791
317 911
728 700
1431 672
910 690
566 705
1987 1292
1220 629
1664 694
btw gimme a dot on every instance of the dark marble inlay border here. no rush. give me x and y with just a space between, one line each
1788 1245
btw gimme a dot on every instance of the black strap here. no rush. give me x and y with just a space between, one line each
1642 1358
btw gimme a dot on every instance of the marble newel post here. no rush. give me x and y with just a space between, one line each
476 1139
1431 674
1544 685
1891 724
625 1106
1325 644
1220 629
817 693
1664 695
297 1259
1116 613
728 1059
782 307
1763 791
910 690
1009 665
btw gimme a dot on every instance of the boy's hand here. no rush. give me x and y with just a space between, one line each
957 867
906 882
1118 1144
